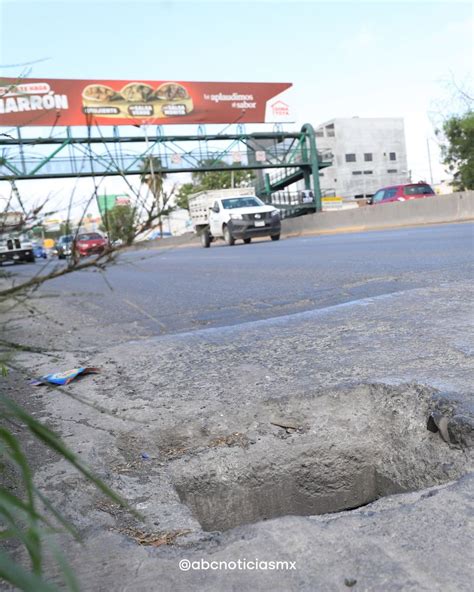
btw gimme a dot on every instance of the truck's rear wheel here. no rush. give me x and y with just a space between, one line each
229 239
275 237
205 239
247 241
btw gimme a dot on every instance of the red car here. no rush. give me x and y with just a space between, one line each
402 193
90 244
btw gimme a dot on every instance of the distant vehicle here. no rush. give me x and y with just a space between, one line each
13 245
307 196
89 244
402 193
232 214
39 251
157 234
63 246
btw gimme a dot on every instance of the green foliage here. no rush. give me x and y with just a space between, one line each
458 151
182 196
221 179
205 181
120 223
65 228
152 175
28 517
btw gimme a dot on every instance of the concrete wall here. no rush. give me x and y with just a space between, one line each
430 210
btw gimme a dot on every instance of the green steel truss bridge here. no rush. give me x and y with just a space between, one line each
279 159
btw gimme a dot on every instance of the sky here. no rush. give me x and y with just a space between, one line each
366 59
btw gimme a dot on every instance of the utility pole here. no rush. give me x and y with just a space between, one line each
429 160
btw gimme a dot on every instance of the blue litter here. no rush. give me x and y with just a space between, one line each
63 377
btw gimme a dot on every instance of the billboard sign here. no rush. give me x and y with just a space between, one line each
64 102
108 202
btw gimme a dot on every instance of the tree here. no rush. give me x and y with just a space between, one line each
208 180
65 228
120 224
153 176
221 179
458 149
182 196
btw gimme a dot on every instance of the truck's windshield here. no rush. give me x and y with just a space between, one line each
241 202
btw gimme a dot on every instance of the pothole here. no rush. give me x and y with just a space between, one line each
265 492
358 445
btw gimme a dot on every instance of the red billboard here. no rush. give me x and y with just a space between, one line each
64 102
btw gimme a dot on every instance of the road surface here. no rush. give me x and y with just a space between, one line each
160 291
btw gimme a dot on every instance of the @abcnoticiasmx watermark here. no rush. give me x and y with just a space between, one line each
237 565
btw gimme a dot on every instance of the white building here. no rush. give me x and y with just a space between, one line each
367 153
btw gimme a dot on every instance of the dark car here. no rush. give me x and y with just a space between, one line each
402 193
89 244
64 246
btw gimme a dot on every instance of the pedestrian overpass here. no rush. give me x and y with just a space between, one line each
278 158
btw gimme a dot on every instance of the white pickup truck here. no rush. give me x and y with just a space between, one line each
13 245
232 214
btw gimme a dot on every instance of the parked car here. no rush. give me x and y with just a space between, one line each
402 193
63 246
89 244
39 251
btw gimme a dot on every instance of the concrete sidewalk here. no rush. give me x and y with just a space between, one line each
323 409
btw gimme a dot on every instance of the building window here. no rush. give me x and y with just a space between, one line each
393 156
350 157
368 156
368 172
392 171
321 174
319 133
357 172
330 131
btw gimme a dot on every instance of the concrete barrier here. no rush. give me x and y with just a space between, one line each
455 207
187 239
